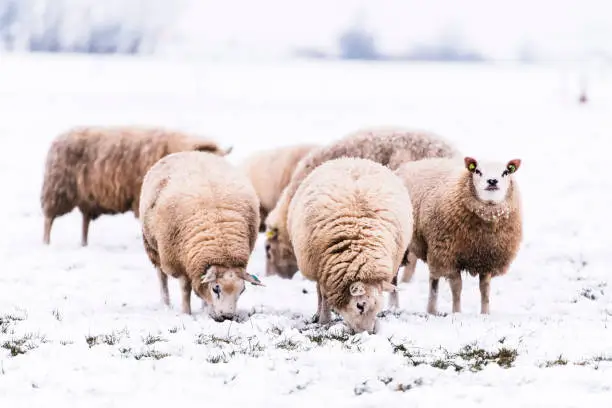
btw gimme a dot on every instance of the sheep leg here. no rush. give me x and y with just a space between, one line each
47 234
409 267
485 289
456 284
85 229
163 283
186 293
393 296
433 295
323 311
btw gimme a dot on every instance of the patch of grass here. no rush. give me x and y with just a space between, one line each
560 361
175 329
109 339
150 354
22 345
479 358
407 387
468 357
151 339
56 313
217 358
213 339
7 321
287 344
320 336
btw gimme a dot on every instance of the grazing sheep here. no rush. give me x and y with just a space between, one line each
465 219
387 146
270 171
199 218
350 222
99 170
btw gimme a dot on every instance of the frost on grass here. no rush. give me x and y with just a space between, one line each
222 349
22 344
469 357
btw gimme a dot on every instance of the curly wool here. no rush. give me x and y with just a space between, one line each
455 231
197 210
389 146
270 171
100 169
350 220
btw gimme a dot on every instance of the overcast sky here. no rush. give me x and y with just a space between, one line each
567 29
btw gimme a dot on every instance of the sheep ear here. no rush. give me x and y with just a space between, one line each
470 163
513 165
253 279
357 289
388 287
209 275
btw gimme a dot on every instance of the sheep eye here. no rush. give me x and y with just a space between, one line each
478 172
268 251
217 290
505 173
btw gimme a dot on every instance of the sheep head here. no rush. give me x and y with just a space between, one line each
221 288
365 301
280 259
491 179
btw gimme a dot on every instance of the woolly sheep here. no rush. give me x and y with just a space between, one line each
199 217
270 171
385 145
467 217
99 170
350 223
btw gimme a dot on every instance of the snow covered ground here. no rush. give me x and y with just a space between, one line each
87 325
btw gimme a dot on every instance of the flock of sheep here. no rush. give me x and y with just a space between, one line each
347 215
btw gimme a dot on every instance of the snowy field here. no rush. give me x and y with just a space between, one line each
85 326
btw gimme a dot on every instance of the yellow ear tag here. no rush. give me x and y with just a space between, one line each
511 168
471 166
270 234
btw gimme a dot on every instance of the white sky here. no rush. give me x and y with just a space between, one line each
560 29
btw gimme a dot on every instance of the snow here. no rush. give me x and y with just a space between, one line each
553 305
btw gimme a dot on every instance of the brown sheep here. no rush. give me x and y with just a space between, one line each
270 171
466 218
385 145
99 170
350 223
199 217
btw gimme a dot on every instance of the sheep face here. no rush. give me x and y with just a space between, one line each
491 179
280 259
365 302
221 287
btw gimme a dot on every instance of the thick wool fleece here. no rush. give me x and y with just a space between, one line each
197 210
385 145
100 169
454 231
350 220
270 171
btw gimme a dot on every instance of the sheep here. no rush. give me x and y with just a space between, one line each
200 216
99 170
350 222
467 217
385 145
270 171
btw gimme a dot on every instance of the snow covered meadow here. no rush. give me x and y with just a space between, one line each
85 326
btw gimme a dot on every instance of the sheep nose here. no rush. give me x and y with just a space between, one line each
361 307
492 182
